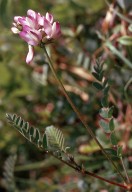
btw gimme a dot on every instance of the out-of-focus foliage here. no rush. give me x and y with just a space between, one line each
90 29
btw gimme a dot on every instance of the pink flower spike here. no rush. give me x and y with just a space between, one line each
49 17
30 54
36 30
56 31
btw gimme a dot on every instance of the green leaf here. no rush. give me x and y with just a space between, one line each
105 125
110 113
99 67
44 141
26 126
97 85
24 132
13 117
104 102
130 143
101 75
130 28
96 68
55 139
119 151
104 112
96 75
111 125
18 121
112 152
21 123
113 139
106 90
125 40
8 173
37 137
31 138
30 133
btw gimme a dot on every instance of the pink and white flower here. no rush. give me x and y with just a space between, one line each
36 30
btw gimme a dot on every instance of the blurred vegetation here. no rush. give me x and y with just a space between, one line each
90 29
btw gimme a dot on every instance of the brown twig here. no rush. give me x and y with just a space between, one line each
77 168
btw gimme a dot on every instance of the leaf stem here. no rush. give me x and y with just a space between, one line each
80 116
128 180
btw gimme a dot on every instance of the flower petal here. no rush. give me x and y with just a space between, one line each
40 19
32 23
29 38
47 27
22 21
26 28
30 54
56 31
49 17
16 18
31 14
15 30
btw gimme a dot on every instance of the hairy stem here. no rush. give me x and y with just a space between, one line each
84 172
128 180
79 114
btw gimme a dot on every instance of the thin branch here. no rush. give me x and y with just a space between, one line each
122 162
84 172
79 114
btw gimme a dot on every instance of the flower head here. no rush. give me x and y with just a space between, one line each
36 29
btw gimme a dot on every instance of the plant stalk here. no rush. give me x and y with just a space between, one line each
79 114
128 180
88 173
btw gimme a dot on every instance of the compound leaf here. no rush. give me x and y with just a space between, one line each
55 139
30 133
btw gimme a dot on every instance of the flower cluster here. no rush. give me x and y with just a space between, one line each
36 29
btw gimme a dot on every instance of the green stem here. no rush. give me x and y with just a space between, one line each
128 180
79 115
